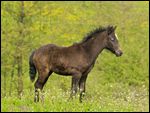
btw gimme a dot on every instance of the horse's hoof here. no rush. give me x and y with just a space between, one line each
36 99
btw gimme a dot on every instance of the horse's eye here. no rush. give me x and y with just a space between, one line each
112 39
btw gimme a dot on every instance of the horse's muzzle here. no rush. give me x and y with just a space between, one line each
118 53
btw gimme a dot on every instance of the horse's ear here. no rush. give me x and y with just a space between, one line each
110 29
115 28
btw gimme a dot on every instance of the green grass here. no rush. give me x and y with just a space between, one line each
100 96
118 101
115 83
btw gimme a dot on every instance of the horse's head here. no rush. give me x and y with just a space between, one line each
112 43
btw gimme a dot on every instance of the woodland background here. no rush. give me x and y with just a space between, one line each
114 84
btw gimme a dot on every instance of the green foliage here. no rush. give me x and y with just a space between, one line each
115 84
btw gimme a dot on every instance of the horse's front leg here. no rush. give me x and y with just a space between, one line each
74 85
82 86
83 81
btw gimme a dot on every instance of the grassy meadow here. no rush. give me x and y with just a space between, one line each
114 84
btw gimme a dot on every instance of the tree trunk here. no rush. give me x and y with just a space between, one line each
20 81
4 83
12 77
19 56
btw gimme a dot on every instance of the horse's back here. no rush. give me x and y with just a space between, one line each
42 54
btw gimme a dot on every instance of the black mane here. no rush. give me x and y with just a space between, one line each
92 33
100 29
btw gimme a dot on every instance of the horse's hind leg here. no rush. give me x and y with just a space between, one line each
40 82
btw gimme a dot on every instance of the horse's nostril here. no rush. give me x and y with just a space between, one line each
119 52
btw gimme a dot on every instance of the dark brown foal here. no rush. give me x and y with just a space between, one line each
76 60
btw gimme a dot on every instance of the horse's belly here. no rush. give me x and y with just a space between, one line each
62 73
66 70
61 70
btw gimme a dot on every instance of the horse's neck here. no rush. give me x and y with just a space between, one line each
94 47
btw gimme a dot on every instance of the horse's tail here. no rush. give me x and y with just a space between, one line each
32 69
